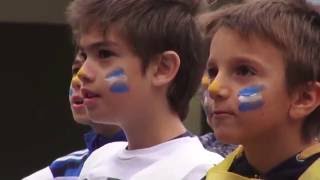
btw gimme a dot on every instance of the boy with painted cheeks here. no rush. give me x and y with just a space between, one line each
209 140
143 62
69 166
264 70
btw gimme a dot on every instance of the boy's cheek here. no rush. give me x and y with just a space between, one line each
70 92
250 98
207 104
117 81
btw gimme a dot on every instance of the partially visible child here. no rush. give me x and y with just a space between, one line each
69 166
143 62
264 70
208 140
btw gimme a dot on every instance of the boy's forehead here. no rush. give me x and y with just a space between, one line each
231 44
95 36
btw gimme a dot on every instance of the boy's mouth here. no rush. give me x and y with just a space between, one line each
221 113
77 100
87 94
89 97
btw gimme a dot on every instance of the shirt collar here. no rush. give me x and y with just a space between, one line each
94 141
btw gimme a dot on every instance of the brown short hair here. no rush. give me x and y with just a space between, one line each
150 28
293 27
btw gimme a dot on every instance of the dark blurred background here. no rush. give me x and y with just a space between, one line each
36 54
37 125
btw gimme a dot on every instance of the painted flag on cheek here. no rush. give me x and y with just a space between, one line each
250 98
117 81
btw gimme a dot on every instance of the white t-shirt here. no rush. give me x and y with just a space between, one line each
44 174
177 159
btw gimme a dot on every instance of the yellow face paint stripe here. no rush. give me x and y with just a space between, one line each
205 81
80 72
213 87
75 79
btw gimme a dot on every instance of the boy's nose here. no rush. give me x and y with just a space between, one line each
75 82
84 75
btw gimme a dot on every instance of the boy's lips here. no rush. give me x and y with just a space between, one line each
89 97
222 114
77 102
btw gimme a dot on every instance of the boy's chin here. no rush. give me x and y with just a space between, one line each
81 119
101 120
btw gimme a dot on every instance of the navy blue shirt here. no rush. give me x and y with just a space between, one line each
290 169
71 164
210 143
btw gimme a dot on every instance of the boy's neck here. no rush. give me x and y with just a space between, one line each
268 152
156 127
107 131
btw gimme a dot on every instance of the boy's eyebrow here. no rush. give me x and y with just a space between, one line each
247 59
239 59
98 44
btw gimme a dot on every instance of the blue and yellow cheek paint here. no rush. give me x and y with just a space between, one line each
205 81
213 87
74 81
117 81
79 73
205 93
250 98
70 91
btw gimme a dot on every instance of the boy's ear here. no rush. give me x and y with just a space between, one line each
165 68
305 101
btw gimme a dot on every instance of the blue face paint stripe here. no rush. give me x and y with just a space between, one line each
250 98
250 90
119 88
70 92
250 106
116 73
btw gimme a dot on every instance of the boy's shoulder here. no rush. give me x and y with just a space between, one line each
76 155
70 163
303 166
312 172
185 144
44 174
186 154
108 149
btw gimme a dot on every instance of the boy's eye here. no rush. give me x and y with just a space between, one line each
104 53
244 70
83 56
212 72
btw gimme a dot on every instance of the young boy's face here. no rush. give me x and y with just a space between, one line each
247 83
75 98
113 85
